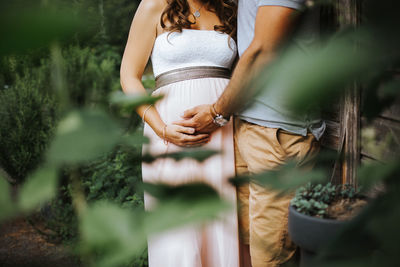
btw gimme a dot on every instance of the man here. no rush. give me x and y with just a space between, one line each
266 134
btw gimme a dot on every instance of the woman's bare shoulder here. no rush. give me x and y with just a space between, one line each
152 6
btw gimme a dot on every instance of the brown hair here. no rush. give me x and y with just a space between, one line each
177 14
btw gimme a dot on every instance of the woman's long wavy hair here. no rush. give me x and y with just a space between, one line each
177 15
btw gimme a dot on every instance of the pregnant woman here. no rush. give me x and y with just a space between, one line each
192 49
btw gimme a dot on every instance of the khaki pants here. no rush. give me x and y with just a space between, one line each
263 215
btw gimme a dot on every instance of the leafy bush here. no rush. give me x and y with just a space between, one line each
113 177
314 200
28 117
34 63
28 110
92 73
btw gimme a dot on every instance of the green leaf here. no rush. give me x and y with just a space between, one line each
39 188
6 205
29 26
132 101
379 95
83 135
373 173
181 205
196 154
117 235
284 180
320 74
113 232
135 139
186 192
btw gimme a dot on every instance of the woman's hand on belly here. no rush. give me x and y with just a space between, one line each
184 136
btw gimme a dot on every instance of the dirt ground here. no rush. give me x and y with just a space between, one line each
22 246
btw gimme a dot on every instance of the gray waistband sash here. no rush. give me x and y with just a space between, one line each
190 73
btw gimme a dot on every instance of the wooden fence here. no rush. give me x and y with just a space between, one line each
348 130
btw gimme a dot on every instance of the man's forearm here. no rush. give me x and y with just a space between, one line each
273 24
235 95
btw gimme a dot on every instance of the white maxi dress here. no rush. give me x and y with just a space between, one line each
216 243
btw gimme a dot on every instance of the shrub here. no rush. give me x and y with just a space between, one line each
28 116
28 109
34 63
112 177
91 74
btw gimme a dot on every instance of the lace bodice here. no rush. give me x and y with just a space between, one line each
192 48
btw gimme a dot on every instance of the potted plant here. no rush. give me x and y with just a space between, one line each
318 213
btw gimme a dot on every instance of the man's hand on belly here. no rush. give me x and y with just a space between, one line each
200 118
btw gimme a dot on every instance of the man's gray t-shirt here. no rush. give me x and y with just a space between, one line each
267 109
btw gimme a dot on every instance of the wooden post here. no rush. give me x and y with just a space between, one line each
348 14
350 122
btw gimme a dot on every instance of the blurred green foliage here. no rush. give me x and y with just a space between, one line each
30 24
67 60
282 180
113 177
198 154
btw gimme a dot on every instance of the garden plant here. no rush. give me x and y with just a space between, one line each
338 202
318 213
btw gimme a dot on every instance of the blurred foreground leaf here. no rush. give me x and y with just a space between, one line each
187 192
373 173
131 102
117 235
111 232
286 179
82 135
135 139
6 205
322 74
38 189
378 96
26 26
183 204
196 154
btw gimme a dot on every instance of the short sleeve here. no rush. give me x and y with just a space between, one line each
295 4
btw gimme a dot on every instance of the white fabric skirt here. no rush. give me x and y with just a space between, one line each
215 244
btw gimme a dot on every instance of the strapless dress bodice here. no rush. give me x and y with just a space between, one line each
191 48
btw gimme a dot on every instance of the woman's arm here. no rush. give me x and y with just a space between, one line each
140 43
